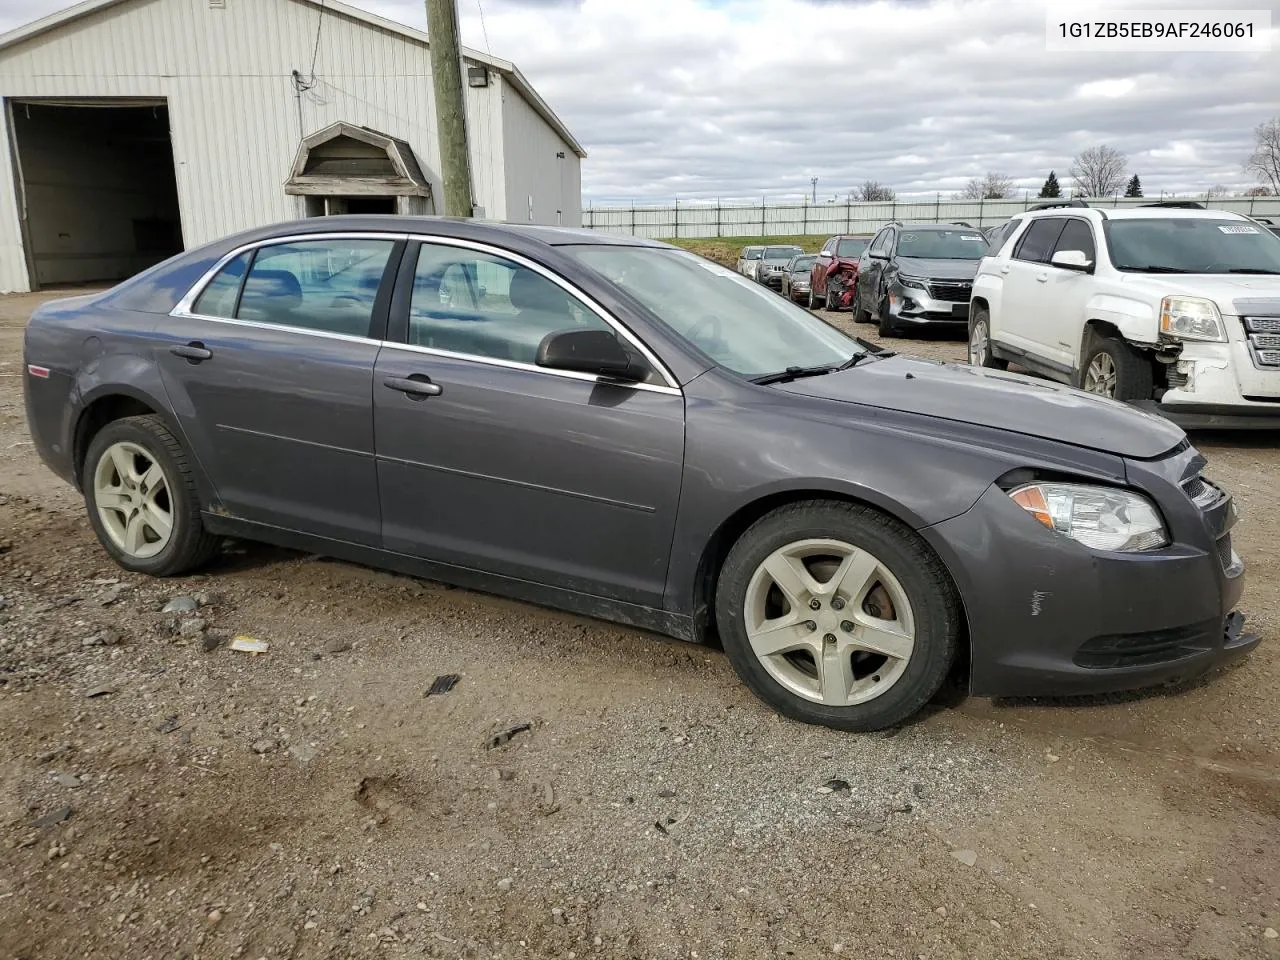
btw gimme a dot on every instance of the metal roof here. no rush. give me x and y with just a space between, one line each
505 67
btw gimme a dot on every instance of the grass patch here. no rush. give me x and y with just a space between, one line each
725 250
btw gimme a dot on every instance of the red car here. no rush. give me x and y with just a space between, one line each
833 273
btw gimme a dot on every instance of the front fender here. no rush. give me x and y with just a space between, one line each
1135 319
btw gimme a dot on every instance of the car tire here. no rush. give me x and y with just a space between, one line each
860 315
137 481
980 354
812 302
888 328
834 680
1112 368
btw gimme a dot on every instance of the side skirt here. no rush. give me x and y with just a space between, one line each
599 608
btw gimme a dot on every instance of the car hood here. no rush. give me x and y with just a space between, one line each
1224 290
938 269
1006 401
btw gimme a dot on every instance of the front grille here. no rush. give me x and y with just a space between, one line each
1264 340
1150 647
950 291
1195 487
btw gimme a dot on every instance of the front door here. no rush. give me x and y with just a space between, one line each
487 461
270 371
1022 321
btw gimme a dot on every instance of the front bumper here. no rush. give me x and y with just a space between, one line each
914 305
1219 385
1050 617
772 280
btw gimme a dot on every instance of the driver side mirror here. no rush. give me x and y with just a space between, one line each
597 352
1072 260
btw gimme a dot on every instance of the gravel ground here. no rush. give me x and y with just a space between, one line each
162 795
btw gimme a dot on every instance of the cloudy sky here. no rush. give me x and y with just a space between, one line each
745 98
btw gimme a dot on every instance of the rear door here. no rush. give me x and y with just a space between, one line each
493 463
1021 322
269 368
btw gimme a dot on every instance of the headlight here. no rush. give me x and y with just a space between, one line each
908 281
1103 518
1191 318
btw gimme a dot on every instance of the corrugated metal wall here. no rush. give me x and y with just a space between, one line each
541 186
671 221
235 118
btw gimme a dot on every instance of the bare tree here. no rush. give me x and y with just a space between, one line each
1258 191
1217 192
1264 162
1099 171
991 186
873 191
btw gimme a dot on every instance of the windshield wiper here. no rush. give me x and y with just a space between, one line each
1155 268
1270 273
795 373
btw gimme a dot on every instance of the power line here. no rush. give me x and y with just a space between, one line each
483 28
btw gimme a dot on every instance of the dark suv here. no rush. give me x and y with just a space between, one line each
917 274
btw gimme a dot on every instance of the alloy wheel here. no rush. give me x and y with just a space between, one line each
979 344
829 622
131 495
1101 377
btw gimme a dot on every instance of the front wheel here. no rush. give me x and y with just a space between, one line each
829 303
813 304
1112 368
142 499
888 328
860 313
834 614
980 354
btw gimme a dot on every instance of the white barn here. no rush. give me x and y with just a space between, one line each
135 128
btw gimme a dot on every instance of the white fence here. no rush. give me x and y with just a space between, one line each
702 219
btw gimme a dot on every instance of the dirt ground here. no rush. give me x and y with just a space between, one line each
161 799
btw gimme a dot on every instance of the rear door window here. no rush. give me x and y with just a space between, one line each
219 297
1039 240
327 285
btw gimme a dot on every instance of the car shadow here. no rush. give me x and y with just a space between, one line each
1090 701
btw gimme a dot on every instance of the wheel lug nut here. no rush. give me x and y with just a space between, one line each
837 604
815 604
810 625
830 638
847 626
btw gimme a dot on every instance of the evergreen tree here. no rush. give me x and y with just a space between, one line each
1051 190
1135 187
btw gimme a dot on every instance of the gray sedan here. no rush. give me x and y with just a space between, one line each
618 428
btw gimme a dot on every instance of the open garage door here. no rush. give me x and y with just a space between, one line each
97 191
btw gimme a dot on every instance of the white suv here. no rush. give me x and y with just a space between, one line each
1169 306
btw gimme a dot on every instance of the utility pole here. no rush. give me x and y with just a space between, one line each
814 181
451 117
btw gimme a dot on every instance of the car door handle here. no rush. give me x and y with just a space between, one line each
193 352
1004 269
1042 277
418 386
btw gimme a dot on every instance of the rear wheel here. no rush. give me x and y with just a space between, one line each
1112 368
980 354
833 613
142 499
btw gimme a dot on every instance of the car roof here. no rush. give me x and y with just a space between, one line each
460 227
1136 213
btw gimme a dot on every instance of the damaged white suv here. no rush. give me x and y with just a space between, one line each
1169 306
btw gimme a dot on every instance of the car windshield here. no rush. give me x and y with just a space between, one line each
1192 245
850 248
943 244
740 325
753 253
781 253
802 264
